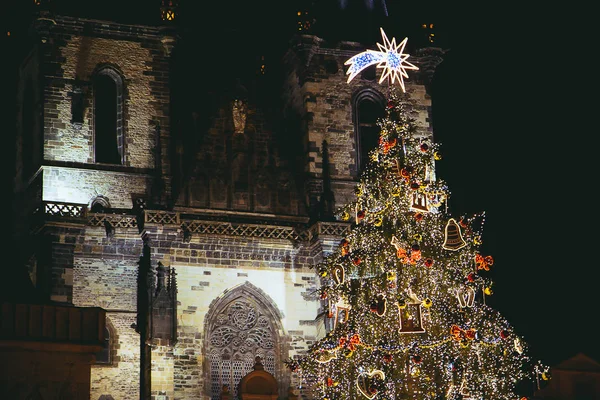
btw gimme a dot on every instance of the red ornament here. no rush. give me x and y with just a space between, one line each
482 262
360 214
356 260
504 334
419 216
471 277
329 382
428 262
387 358
390 104
424 147
388 145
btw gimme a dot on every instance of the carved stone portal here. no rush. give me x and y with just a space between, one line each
240 332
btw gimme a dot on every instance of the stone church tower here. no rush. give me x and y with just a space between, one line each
190 211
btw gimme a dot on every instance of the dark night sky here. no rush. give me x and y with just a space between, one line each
515 145
511 121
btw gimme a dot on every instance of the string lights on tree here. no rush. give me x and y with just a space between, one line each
406 287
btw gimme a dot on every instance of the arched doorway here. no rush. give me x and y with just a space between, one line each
240 325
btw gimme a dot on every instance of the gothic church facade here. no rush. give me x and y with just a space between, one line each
197 232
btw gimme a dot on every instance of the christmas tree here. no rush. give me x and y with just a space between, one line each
405 289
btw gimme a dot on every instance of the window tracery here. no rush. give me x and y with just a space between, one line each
238 333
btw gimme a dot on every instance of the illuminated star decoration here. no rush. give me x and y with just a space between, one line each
390 58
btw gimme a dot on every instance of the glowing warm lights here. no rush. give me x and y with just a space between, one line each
390 58
365 383
399 301
453 237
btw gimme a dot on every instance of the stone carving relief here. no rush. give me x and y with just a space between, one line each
239 333
240 112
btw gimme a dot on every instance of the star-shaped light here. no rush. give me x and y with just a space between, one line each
390 57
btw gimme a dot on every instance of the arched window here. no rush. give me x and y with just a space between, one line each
108 117
100 204
368 107
107 356
103 356
240 326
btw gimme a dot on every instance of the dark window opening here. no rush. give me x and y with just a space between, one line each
368 113
109 140
103 356
98 208
100 204
105 119
77 108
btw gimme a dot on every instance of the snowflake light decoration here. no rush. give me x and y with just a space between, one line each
390 57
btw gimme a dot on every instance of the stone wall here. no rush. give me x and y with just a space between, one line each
208 268
75 185
316 92
73 52
121 377
90 267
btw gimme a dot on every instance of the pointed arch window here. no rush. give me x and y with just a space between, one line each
368 107
103 356
107 355
240 328
109 142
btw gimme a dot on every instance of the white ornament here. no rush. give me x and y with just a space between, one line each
390 58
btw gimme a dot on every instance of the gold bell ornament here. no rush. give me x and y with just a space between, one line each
453 239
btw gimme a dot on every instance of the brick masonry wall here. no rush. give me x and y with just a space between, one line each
163 372
121 378
55 262
105 275
209 267
317 93
199 286
206 268
331 111
74 185
80 56
75 50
